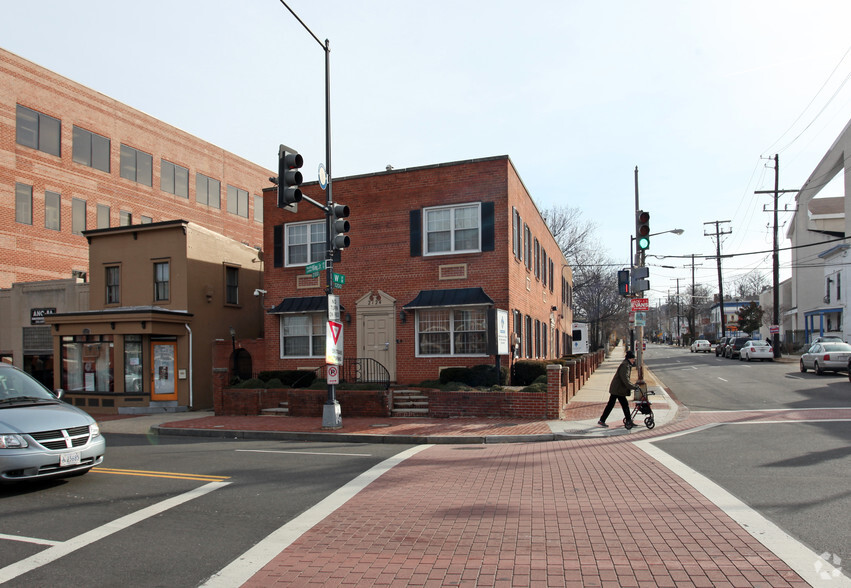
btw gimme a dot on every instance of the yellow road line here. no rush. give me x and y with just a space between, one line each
173 475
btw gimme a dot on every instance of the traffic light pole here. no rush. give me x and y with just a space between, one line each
639 329
331 418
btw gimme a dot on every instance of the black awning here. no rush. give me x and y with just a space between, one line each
305 304
453 297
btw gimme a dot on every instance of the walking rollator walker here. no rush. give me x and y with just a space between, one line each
643 406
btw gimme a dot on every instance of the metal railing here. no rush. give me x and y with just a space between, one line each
365 370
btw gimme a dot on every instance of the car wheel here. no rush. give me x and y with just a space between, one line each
817 369
748 358
803 367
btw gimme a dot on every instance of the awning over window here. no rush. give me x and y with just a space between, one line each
304 304
453 297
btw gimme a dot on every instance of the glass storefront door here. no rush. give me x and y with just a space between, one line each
163 377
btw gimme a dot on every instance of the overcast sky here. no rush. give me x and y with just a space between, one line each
577 93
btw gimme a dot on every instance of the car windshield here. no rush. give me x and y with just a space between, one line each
760 343
16 385
836 346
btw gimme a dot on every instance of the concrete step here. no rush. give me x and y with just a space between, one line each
280 411
409 412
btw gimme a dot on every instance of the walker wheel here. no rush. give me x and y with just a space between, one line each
649 422
628 424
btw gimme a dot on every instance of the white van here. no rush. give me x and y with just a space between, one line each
580 338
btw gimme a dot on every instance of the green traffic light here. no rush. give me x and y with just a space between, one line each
643 243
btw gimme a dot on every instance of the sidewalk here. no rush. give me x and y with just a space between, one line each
583 412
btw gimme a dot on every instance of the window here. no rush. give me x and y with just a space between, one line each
103 216
518 331
527 246
23 204
448 331
208 191
258 209
517 234
136 165
52 206
537 260
90 149
305 243
537 338
87 363
452 229
544 339
237 201
303 335
174 179
113 284
231 285
145 220
78 216
125 219
133 363
161 281
543 267
37 130
552 276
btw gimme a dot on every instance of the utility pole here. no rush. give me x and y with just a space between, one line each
692 326
718 233
679 328
775 315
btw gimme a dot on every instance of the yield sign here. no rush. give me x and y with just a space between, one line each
335 329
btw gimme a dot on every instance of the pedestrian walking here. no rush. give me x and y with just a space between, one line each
619 389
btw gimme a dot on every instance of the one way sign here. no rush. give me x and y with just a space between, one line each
334 343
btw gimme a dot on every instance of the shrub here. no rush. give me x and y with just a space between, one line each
290 378
252 383
275 383
525 372
479 376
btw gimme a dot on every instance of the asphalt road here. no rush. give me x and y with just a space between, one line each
796 474
167 511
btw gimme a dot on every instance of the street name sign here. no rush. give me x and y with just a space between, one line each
337 280
314 268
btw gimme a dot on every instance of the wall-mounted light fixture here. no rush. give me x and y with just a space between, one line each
233 337
348 318
402 316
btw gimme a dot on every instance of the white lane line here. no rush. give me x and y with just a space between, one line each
795 554
63 548
28 539
304 452
722 379
239 571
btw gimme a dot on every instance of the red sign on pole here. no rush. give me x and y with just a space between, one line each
639 304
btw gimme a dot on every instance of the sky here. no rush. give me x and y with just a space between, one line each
697 95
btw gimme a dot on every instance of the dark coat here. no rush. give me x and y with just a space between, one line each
621 384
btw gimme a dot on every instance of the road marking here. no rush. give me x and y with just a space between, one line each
64 548
794 553
304 452
722 379
252 561
172 475
29 539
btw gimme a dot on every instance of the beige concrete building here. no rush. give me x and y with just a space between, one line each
160 294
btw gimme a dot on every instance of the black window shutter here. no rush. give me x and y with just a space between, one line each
278 245
416 233
487 226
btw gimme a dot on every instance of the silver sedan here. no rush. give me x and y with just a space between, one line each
41 436
828 356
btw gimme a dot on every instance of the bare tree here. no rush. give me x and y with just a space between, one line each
573 234
750 285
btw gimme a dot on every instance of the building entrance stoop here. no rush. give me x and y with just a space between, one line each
409 403
283 409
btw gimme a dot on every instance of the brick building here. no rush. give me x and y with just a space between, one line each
434 248
72 159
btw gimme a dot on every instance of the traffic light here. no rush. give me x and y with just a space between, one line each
339 226
642 229
623 282
640 279
289 178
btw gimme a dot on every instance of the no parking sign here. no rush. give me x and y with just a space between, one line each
333 374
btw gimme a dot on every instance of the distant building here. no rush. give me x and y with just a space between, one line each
731 317
72 159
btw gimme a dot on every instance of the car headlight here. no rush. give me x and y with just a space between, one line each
12 442
94 430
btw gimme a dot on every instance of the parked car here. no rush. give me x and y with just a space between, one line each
827 338
760 350
721 346
41 436
830 356
734 347
701 345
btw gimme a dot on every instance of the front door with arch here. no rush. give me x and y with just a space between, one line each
376 312
163 376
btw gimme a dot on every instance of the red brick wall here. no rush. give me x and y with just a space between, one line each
32 252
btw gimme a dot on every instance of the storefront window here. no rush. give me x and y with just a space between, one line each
87 363
132 363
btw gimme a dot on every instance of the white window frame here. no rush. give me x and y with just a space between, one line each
309 224
452 208
317 324
452 332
